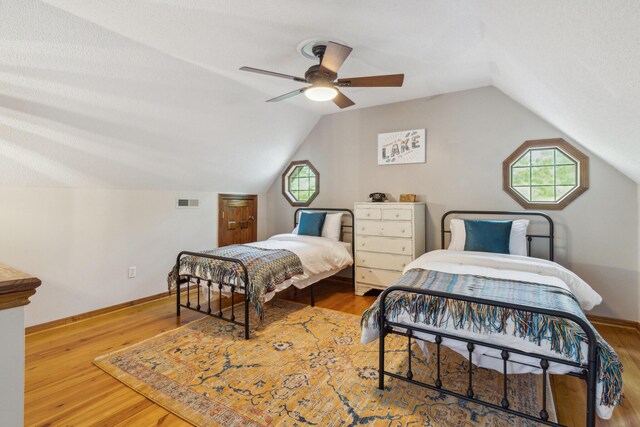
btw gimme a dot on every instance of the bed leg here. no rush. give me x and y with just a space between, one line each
591 392
178 298
246 314
353 275
381 353
313 297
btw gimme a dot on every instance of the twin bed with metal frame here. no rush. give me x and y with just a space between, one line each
388 326
243 285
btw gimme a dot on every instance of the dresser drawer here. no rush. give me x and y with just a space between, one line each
368 213
397 229
378 277
383 261
388 228
397 214
385 244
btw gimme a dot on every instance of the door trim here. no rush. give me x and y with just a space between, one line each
231 196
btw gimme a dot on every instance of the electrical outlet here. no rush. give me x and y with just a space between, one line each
132 272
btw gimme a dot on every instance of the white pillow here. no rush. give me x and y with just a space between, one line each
458 235
517 238
332 227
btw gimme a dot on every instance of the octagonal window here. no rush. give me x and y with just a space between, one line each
546 174
300 183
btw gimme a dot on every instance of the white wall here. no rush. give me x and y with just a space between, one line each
80 243
469 134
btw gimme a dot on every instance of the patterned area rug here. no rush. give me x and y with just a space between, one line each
304 366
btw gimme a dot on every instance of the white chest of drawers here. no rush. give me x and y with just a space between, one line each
388 237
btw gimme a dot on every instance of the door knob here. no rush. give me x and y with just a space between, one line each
252 218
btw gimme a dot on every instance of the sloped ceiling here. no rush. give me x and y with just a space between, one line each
147 94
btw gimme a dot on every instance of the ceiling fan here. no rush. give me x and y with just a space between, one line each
323 77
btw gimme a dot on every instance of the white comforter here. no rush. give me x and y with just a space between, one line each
318 255
501 267
321 257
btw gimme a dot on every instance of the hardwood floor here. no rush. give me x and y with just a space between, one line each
63 388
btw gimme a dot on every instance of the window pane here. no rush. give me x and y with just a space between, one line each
312 184
525 191
293 184
304 171
542 157
566 175
303 184
543 194
304 196
542 175
561 191
524 160
563 159
295 173
520 176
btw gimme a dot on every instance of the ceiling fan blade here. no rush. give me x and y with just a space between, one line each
272 73
287 95
373 81
334 56
342 101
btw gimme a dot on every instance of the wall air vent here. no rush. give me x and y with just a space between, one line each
187 203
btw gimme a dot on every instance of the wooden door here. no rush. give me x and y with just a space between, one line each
237 219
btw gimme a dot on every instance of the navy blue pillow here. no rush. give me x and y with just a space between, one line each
311 223
487 236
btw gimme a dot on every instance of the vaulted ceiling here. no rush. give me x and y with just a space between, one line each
147 94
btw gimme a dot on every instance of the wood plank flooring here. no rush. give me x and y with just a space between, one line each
63 388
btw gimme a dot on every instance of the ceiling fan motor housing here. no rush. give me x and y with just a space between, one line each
314 74
318 50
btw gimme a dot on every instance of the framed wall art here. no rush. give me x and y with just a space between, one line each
408 146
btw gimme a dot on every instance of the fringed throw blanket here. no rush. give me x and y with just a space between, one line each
564 336
266 267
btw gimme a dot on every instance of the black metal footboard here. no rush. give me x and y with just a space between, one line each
588 369
188 279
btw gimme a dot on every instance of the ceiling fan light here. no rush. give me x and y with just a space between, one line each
321 93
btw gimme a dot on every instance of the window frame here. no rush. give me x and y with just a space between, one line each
582 173
285 183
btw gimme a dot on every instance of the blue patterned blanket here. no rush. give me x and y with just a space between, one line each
266 267
564 336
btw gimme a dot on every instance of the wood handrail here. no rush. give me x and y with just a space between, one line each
16 287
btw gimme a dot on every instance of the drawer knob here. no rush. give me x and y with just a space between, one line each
403 248
397 215
403 230
404 264
363 245
362 229
362 277
368 214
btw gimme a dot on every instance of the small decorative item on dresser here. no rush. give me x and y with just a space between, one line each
388 237
410 198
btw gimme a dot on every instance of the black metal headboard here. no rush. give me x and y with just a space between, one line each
530 237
